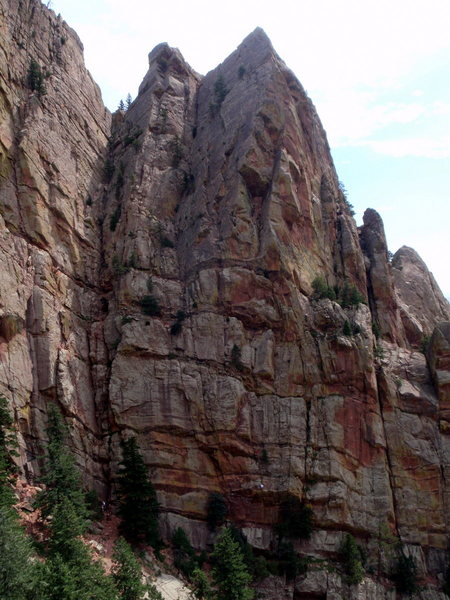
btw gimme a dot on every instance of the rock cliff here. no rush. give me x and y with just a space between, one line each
189 272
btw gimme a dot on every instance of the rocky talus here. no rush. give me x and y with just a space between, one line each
160 278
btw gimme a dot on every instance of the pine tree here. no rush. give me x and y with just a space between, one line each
129 100
16 568
138 505
230 575
126 572
201 588
61 477
8 445
121 105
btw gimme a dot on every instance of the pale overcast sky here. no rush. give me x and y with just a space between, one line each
377 71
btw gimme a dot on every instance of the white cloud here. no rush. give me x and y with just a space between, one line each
411 146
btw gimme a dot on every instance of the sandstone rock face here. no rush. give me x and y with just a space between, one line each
161 285
382 295
421 301
51 160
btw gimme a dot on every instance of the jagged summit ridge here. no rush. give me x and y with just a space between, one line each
195 280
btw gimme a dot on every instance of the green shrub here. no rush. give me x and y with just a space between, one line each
118 267
351 559
35 79
115 217
150 306
350 295
241 71
166 242
296 519
108 170
220 90
347 330
424 342
185 559
322 289
176 328
405 575
376 330
264 457
177 152
289 563
216 510
344 195
236 358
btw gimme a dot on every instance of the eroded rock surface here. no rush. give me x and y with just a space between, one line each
161 285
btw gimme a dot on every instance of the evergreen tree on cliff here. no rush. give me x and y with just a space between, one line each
16 568
61 477
230 575
138 505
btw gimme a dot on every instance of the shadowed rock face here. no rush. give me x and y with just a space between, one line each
160 285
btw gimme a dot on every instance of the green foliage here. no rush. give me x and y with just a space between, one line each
220 90
120 181
129 101
79 578
350 295
256 566
322 289
264 457
117 266
177 327
378 352
133 261
446 586
347 330
61 478
424 342
200 585
177 152
108 170
121 105
188 183
126 572
8 445
344 196
289 563
69 572
351 558
153 593
93 504
35 78
115 217
229 573
150 306
376 330
236 358
296 519
185 559
138 505
166 242
17 573
241 71
216 510
405 575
